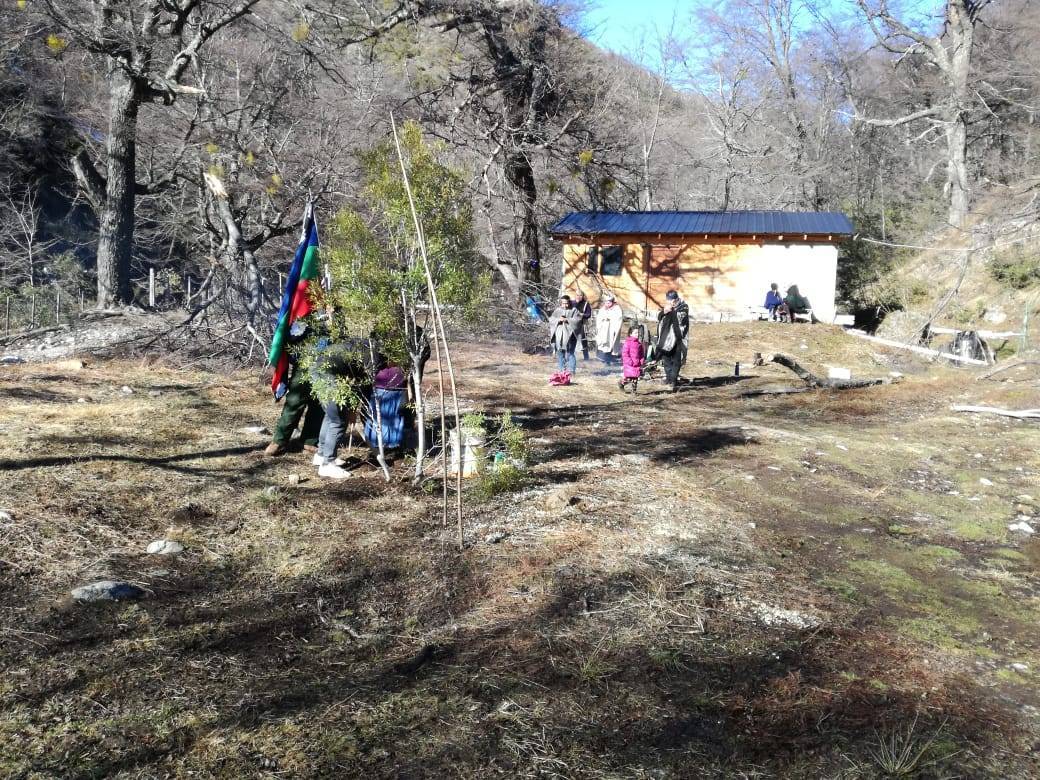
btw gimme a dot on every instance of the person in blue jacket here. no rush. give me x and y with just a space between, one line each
774 301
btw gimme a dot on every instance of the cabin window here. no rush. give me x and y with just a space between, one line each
605 260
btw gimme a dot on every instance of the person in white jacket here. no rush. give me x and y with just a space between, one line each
609 320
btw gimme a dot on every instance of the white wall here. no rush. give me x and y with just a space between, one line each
813 267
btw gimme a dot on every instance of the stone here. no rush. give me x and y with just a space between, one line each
81 400
495 538
11 360
69 365
293 480
127 390
6 517
1020 667
257 430
165 547
108 590
562 498
837 372
986 482
154 393
995 316
1022 526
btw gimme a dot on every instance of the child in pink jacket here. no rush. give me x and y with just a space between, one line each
633 358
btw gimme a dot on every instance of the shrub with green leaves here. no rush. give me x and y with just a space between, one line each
1017 268
372 253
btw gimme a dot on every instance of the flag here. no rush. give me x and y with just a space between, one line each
295 301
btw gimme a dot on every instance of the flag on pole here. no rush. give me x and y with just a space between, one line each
295 301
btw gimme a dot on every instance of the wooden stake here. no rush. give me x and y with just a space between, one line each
439 326
151 288
32 312
187 297
57 305
7 317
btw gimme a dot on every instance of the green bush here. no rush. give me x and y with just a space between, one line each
1017 268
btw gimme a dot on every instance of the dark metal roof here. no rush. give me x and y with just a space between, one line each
672 223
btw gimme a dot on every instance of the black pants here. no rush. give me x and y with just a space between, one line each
671 362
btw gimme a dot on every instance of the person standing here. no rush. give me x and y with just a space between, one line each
564 325
299 403
609 320
337 367
584 308
633 358
672 337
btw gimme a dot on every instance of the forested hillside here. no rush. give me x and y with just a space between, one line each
186 136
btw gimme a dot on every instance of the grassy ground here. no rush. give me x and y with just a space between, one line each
697 585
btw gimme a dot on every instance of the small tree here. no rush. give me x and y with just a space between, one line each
379 295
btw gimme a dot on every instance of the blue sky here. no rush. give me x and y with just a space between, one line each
620 25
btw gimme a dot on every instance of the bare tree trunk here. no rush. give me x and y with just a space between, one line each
116 218
520 176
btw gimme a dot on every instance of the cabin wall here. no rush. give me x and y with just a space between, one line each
716 280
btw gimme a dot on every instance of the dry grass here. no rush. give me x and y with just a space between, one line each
653 628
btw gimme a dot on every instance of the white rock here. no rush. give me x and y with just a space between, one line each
81 400
165 547
127 390
495 538
154 393
6 517
842 447
837 372
108 590
258 430
1024 527
749 477
1025 497
773 468
986 482
10 360
1020 667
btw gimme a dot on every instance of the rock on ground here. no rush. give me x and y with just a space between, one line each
108 590
165 547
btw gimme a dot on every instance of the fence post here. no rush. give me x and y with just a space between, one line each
32 312
81 300
187 298
151 288
57 305
7 317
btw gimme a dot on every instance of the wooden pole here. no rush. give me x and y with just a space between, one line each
151 288
187 298
32 312
439 325
7 317
81 300
57 305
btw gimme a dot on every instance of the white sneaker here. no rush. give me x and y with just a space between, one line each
318 460
332 471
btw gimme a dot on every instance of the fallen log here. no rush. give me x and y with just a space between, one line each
817 381
1006 366
30 334
1021 414
915 349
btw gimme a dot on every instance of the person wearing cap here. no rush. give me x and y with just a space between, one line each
672 337
609 320
564 327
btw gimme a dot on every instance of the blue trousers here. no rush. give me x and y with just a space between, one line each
566 359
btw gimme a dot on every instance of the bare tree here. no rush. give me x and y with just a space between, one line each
144 49
950 53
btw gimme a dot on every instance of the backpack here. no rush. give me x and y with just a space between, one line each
560 378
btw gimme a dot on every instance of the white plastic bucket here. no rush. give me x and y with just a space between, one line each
473 453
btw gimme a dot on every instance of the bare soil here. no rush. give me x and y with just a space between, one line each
702 584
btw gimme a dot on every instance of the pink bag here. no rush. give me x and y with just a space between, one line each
560 378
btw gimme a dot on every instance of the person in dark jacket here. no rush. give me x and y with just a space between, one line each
299 403
581 303
673 330
795 302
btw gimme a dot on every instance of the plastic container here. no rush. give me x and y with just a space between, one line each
472 454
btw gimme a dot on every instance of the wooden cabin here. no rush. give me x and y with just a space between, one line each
721 262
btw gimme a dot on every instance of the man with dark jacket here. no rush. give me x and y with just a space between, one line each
581 303
673 330
299 402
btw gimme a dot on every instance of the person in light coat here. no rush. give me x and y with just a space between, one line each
609 320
